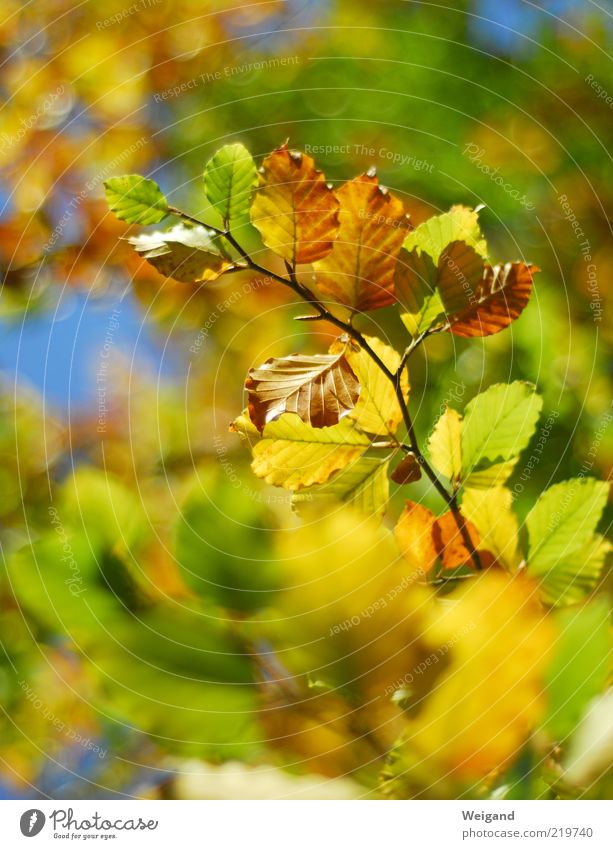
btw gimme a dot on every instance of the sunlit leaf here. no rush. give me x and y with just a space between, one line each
363 484
319 389
415 536
445 444
229 178
564 553
580 666
187 254
459 224
294 455
450 543
500 297
415 287
136 200
498 425
491 512
294 209
359 272
377 410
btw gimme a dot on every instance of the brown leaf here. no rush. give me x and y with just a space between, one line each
407 471
359 272
294 209
320 389
460 272
500 298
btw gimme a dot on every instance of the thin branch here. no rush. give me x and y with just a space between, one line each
305 294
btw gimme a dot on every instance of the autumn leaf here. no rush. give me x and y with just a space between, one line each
359 272
491 512
294 209
407 471
500 298
377 410
363 485
451 546
445 445
294 455
414 533
319 389
187 254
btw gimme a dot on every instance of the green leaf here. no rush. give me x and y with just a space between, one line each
498 425
580 666
364 484
564 552
136 200
229 177
459 224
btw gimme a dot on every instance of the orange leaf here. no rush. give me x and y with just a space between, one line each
359 272
320 389
451 546
294 209
500 298
415 537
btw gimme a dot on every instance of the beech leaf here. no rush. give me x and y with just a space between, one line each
187 254
319 389
229 178
359 272
136 200
294 209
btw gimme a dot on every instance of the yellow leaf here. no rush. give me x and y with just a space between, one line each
359 272
294 455
491 512
415 537
445 444
294 209
496 642
377 410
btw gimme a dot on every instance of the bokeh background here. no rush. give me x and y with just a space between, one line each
118 387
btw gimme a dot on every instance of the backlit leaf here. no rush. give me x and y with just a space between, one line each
294 455
500 297
564 553
415 537
491 512
459 224
445 444
136 200
319 389
498 425
450 543
363 484
415 287
187 254
294 209
229 178
377 410
359 272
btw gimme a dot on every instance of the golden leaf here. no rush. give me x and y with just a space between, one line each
359 272
294 209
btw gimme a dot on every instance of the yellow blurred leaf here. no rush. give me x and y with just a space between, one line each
445 445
